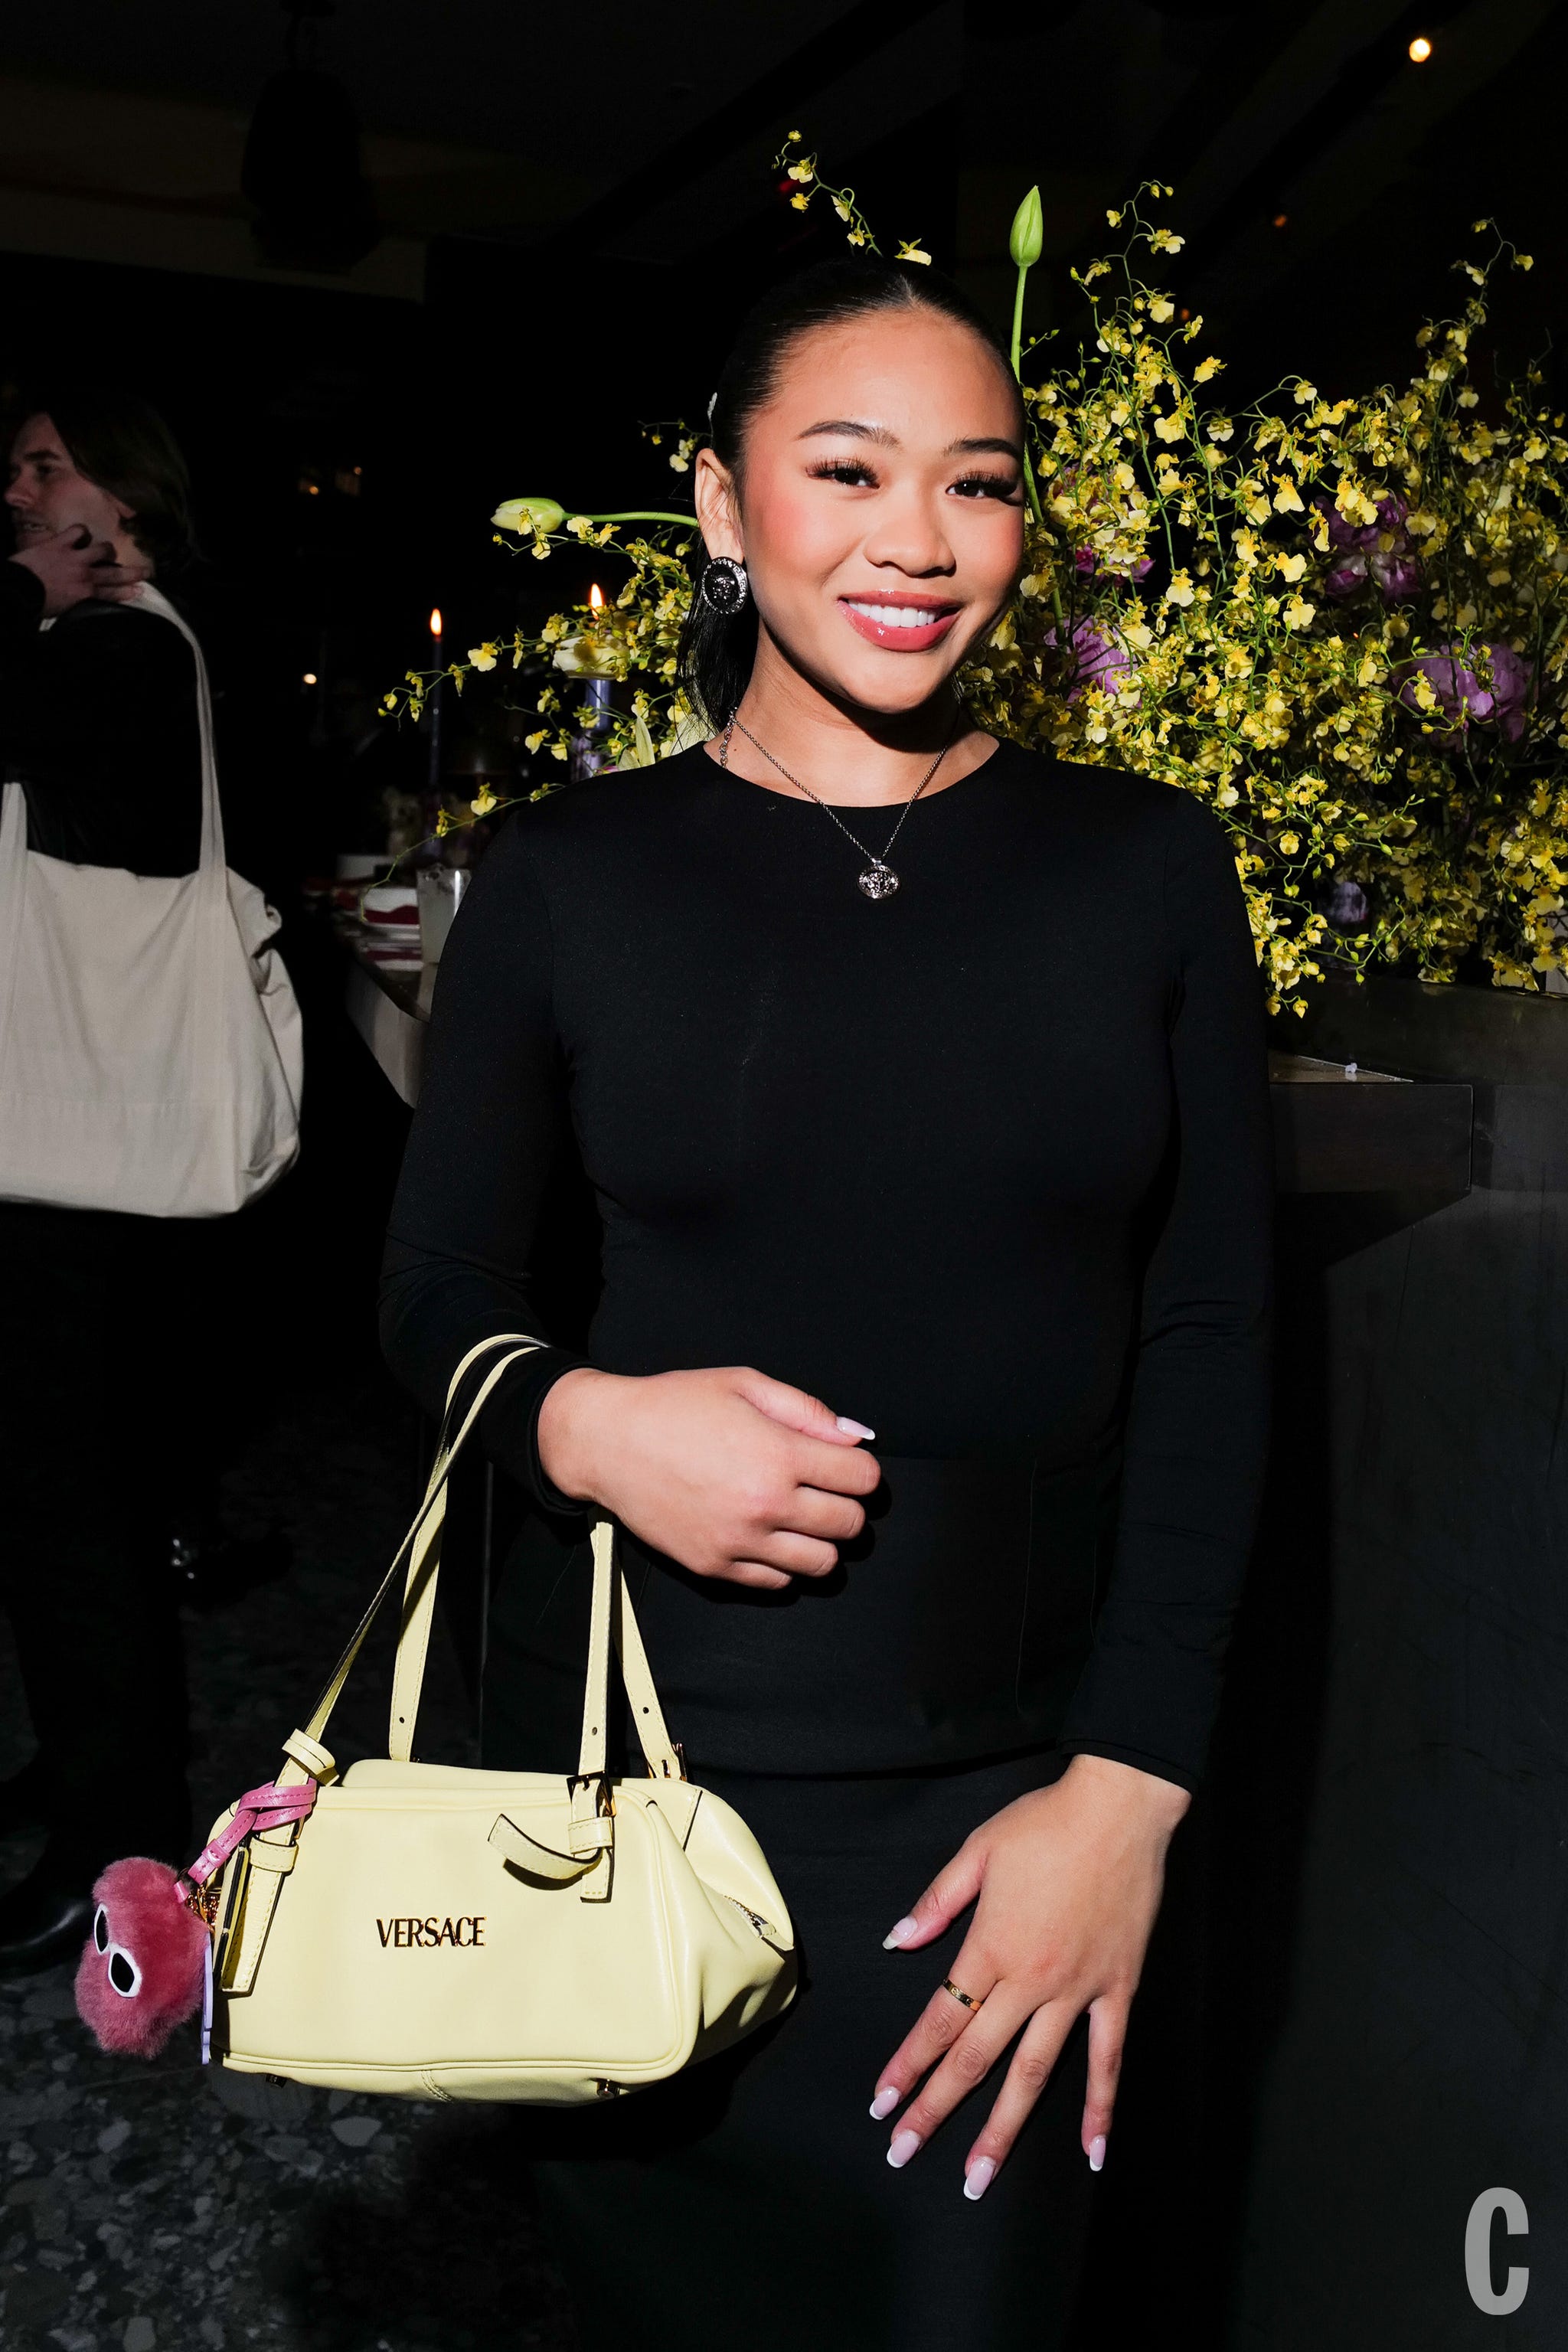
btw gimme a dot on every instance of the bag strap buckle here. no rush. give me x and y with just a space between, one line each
591 1830
587 1809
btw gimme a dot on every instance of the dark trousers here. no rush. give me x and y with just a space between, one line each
105 1408
751 2198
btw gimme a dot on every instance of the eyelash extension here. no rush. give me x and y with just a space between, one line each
997 486
836 470
853 474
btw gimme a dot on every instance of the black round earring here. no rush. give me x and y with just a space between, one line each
724 587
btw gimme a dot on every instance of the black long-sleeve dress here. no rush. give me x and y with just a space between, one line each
985 1165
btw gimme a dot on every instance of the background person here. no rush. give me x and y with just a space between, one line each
98 1311
979 1165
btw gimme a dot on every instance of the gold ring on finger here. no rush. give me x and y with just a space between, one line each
966 1998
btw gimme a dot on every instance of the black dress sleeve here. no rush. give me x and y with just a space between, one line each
492 1123
1196 1434
98 717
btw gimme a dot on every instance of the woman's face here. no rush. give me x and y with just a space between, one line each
879 509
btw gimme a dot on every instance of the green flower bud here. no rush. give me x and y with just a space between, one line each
1027 238
529 514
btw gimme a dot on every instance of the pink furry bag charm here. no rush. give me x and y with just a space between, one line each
146 1967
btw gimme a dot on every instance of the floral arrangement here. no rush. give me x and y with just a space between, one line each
1342 624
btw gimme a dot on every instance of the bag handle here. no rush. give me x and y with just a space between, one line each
612 1614
150 599
13 886
14 822
248 1907
315 1761
615 1620
423 1544
252 1888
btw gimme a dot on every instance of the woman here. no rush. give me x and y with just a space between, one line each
920 1082
99 724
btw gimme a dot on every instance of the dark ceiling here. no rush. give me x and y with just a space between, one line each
574 205
641 135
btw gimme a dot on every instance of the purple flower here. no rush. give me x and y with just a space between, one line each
1380 550
1097 660
1396 570
1391 557
1346 905
1347 576
1462 696
1513 680
1087 564
1342 533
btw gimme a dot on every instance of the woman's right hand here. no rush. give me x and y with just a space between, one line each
731 1473
76 569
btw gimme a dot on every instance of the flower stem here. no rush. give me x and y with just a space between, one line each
644 514
1015 352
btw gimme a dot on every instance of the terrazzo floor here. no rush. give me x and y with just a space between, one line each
140 2206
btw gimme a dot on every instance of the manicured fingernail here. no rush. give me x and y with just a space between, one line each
898 1936
1097 2152
978 2180
853 1428
904 2145
884 2103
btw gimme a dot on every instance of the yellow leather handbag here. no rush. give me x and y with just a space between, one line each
439 1933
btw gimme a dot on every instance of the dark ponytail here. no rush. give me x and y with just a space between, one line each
717 650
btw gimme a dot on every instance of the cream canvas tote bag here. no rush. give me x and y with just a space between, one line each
150 1052
446 1934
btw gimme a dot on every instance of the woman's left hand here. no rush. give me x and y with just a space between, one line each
1065 1885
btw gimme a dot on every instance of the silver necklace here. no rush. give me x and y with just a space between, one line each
878 881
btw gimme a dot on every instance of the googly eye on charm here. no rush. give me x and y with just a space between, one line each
101 1929
123 1973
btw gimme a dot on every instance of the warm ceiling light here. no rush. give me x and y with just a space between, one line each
595 596
1280 219
435 620
310 677
1420 49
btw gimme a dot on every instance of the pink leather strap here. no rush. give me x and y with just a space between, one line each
267 1808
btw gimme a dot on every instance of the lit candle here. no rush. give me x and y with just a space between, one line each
436 702
598 694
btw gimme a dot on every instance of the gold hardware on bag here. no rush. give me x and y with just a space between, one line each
203 1902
